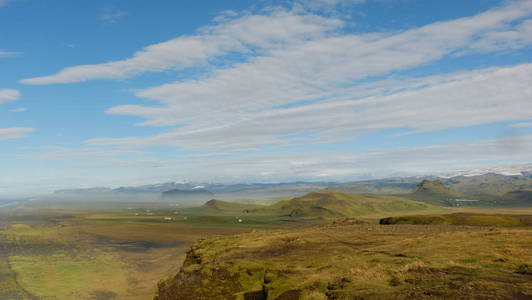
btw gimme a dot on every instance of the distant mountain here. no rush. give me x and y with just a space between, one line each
513 187
223 191
519 197
333 204
435 192
193 196
490 184
155 188
86 191
479 189
226 206
388 186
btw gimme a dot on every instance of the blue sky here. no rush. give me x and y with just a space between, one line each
110 93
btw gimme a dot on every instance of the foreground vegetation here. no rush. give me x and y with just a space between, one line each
470 219
360 261
73 253
306 247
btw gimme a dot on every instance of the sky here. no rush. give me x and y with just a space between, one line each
128 92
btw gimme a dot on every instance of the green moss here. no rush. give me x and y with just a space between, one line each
467 260
457 219
61 276
366 261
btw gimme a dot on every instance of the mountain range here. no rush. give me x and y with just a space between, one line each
486 189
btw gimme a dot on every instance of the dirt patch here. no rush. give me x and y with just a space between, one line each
103 295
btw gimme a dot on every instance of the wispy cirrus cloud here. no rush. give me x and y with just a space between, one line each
5 2
521 125
62 153
301 79
255 31
9 95
111 15
7 53
14 133
305 58
350 165
457 100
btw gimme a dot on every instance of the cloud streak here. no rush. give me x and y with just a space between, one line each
316 70
14 133
241 34
111 16
457 100
350 165
9 95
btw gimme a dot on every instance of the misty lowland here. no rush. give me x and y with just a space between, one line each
266 150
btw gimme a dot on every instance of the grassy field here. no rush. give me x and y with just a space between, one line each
462 218
121 251
76 253
360 262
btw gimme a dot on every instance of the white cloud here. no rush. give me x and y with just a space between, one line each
521 125
514 38
21 109
62 153
304 81
7 53
327 4
281 28
9 95
350 165
240 34
5 2
110 15
457 100
308 71
14 133
342 165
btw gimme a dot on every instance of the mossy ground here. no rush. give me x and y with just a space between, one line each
68 250
471 219
361 262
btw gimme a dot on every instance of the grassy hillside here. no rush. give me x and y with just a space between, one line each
490 189
219 205
358 262
470 219
333 204
434 192
518 197
390 186
489 184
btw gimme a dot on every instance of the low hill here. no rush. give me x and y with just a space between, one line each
434 192
358 262
389 186
489 184
225 206
332 204
519 197
489 189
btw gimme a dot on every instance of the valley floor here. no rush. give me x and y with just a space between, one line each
120 252
71 253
